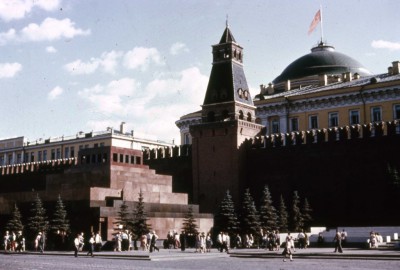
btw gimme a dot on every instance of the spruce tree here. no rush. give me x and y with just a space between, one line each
226 219
283 217
297 223
15 223
38 222
306 213
60 221
139 225
268 215
189 225
250 219
124 218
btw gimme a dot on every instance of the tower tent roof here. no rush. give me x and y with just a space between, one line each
227 36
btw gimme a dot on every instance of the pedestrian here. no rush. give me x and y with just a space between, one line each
91 245
6 240
42 241
338 242
98 242
81 241
287 251
209 242
153 242
76 245
182 239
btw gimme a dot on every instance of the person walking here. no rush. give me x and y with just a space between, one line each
91 245
287 251
153 242
76 245
338 242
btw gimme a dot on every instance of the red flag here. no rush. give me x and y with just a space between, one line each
315 21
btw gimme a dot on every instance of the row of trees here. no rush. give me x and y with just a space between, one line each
39 221
251 220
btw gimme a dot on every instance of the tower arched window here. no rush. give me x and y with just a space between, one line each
211 116
241 116
249 117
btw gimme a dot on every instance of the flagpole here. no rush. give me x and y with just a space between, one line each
322 28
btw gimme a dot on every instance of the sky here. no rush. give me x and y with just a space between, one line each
71 65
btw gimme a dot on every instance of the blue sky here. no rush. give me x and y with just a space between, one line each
69 66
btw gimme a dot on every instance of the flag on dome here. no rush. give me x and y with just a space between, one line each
315 21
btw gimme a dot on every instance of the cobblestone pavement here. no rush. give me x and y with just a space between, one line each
189 260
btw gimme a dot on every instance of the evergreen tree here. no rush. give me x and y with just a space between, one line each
250 219
297 224
15 223
189 225
226 219
268 215
306 213
60 221
38 222
139 225
124 218
283 217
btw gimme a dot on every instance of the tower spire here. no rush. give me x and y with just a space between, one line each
227 21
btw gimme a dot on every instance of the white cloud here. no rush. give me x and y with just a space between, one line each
9 70
51 49
111 99
7 36
55 93
78 67
108 62
152 109
50 29
177 48
18 9
383 44
140 57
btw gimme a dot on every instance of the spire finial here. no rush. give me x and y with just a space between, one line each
227 24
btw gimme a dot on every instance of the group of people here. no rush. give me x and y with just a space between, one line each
14 241
94 244
203 242
374 239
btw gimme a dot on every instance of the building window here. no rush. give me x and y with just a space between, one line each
275 126
40 156
396 112
2 161
241 115
186 139
333 119
121 158
376 114
126 158
249 117
26 157
32 156
354 117
44 155
313 122
58 153
294 124
66 152
115 157
53 154
72 151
